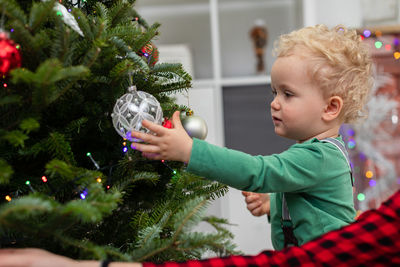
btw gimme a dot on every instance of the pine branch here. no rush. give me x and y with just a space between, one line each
6 171
39 14
12 10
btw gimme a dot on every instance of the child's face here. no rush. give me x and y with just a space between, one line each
298 104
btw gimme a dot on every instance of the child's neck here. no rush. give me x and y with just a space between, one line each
331 132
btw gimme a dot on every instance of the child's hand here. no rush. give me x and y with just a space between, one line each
168 144
257 203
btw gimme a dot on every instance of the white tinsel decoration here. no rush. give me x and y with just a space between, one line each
67 17
370 130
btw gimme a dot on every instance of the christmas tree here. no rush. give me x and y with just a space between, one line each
68 182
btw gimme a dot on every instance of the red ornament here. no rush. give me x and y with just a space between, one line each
10 57
167 123
150 52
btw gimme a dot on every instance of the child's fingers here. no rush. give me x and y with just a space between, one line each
151 155
146 148
147 138
176 120
246 194
252 198
155 128
257 212
254 205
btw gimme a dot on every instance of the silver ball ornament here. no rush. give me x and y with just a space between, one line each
132 108
195 126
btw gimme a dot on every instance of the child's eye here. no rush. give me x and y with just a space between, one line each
273 92
288 94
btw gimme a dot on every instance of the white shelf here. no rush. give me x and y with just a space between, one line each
253 4
181 9
173 10
249 80
230 82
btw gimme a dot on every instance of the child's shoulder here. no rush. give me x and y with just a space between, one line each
316 146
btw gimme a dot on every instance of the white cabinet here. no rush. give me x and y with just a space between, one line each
224 63
217 33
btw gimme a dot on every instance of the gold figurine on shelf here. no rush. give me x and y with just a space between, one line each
259 36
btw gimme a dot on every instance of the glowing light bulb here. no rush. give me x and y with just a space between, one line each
361 197
98 180
372 182
351 144
44 179
8 198
367 33
395 119
378 44
369 174
28 182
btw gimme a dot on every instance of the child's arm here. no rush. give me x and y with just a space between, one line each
168 144
257 203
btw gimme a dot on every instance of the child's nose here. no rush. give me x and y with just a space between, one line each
275 104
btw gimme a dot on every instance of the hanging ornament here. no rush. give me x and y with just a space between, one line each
68 18
167 123
131 109
150 52
10 57
195 126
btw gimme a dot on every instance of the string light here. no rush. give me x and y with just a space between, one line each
98 179
395 119
378 44
84 194
163 162
8 198
367 33
361 197
44 179
351 144
28 183
369 174
94 162
372 183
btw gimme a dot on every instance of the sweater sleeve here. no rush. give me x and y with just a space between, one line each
293 170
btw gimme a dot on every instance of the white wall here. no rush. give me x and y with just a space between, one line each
332 12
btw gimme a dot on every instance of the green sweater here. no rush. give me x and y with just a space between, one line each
314 176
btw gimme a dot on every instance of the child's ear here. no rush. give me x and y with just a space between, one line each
333 108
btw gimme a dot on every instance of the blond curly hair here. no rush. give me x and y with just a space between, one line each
341 63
